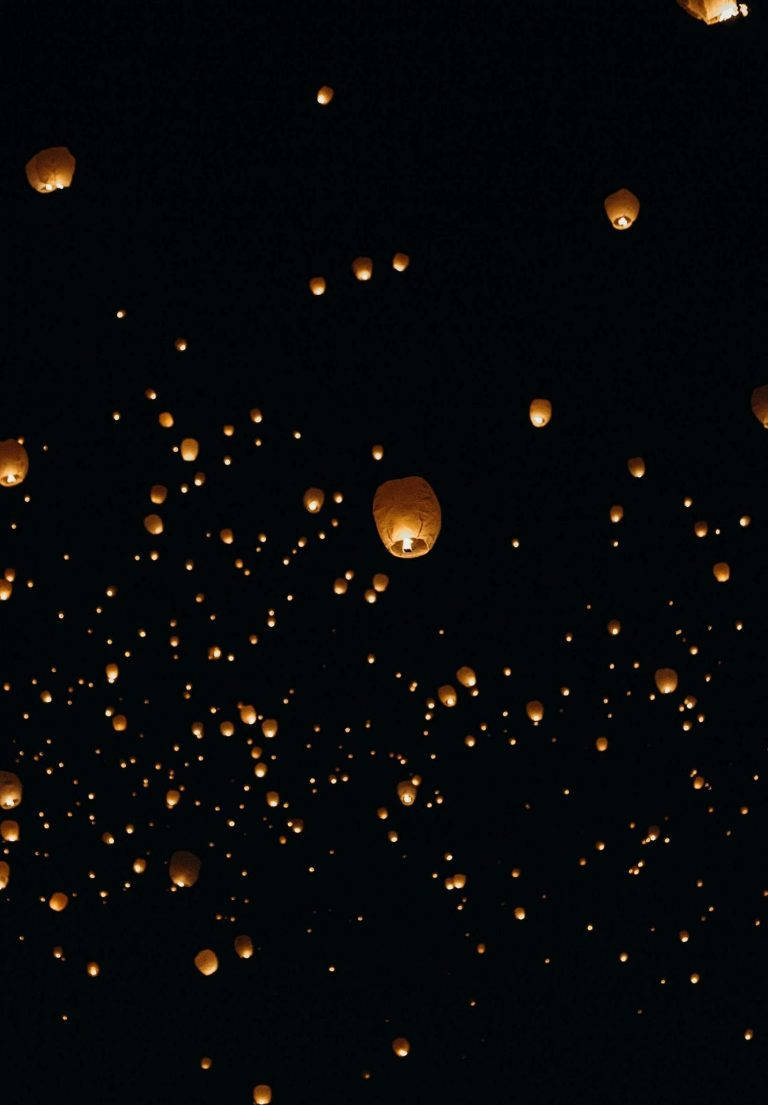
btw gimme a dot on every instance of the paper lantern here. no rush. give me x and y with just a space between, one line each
158 493
721 572
112 671
666 680
14 463
540 412
447 695
206 962
713 11
180 345
244 946
401 1047
614 627
400 262
313 499
759 405
407 516
622 208
5 874
184 868
9 831
317 285
172 798
324 95
466 676
262 1094
10 790
153 524
189 449
617 513
51 169
636 466
407 792
58 901
535 711
362 267
380 582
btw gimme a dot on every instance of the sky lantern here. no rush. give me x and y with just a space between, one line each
58 901
189 449
466 676
713 11
401 1047
5 874
617 512
447 695
540 412
207 962
759 403
400 262
535 711
317 285
721 571
407 516
380 582
172 798
406 792
324 95
622 208
184 868
313 499
362 267
153 524
614 627
636 466
14 463
244 946
9 831
666 680
112 671
51 169
269 727
158 493
180 345
10 790
262 1094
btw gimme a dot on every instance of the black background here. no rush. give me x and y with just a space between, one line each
210 186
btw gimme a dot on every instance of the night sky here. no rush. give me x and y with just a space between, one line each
607 940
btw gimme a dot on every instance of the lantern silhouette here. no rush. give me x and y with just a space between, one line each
51 169
713 11
407 516
622 208
540 412
184 868
14 463
666 680
759 405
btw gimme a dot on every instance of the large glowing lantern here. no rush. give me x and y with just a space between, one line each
14 463
622 208
466 676
51 170
10 790
713 11
262 1094
666 680
407 516
184 868
759 405
540 412
535 711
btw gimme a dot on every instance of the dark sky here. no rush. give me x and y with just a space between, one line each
209 187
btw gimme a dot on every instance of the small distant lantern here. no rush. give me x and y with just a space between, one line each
180 345
759 404
400 262
540 412
14 463
401 1047
313 499
614 627
407 516
51 169
112 671
713 11
189 449
362 267
721 572
636 466
622 208
206 961
377 452
324 95
666 680
317 285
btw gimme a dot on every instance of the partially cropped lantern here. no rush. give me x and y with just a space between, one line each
184 868
622 208
759 405
10 790
713 11
14 463
362 267
313 499
540 412
666 680
407 516
51 169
